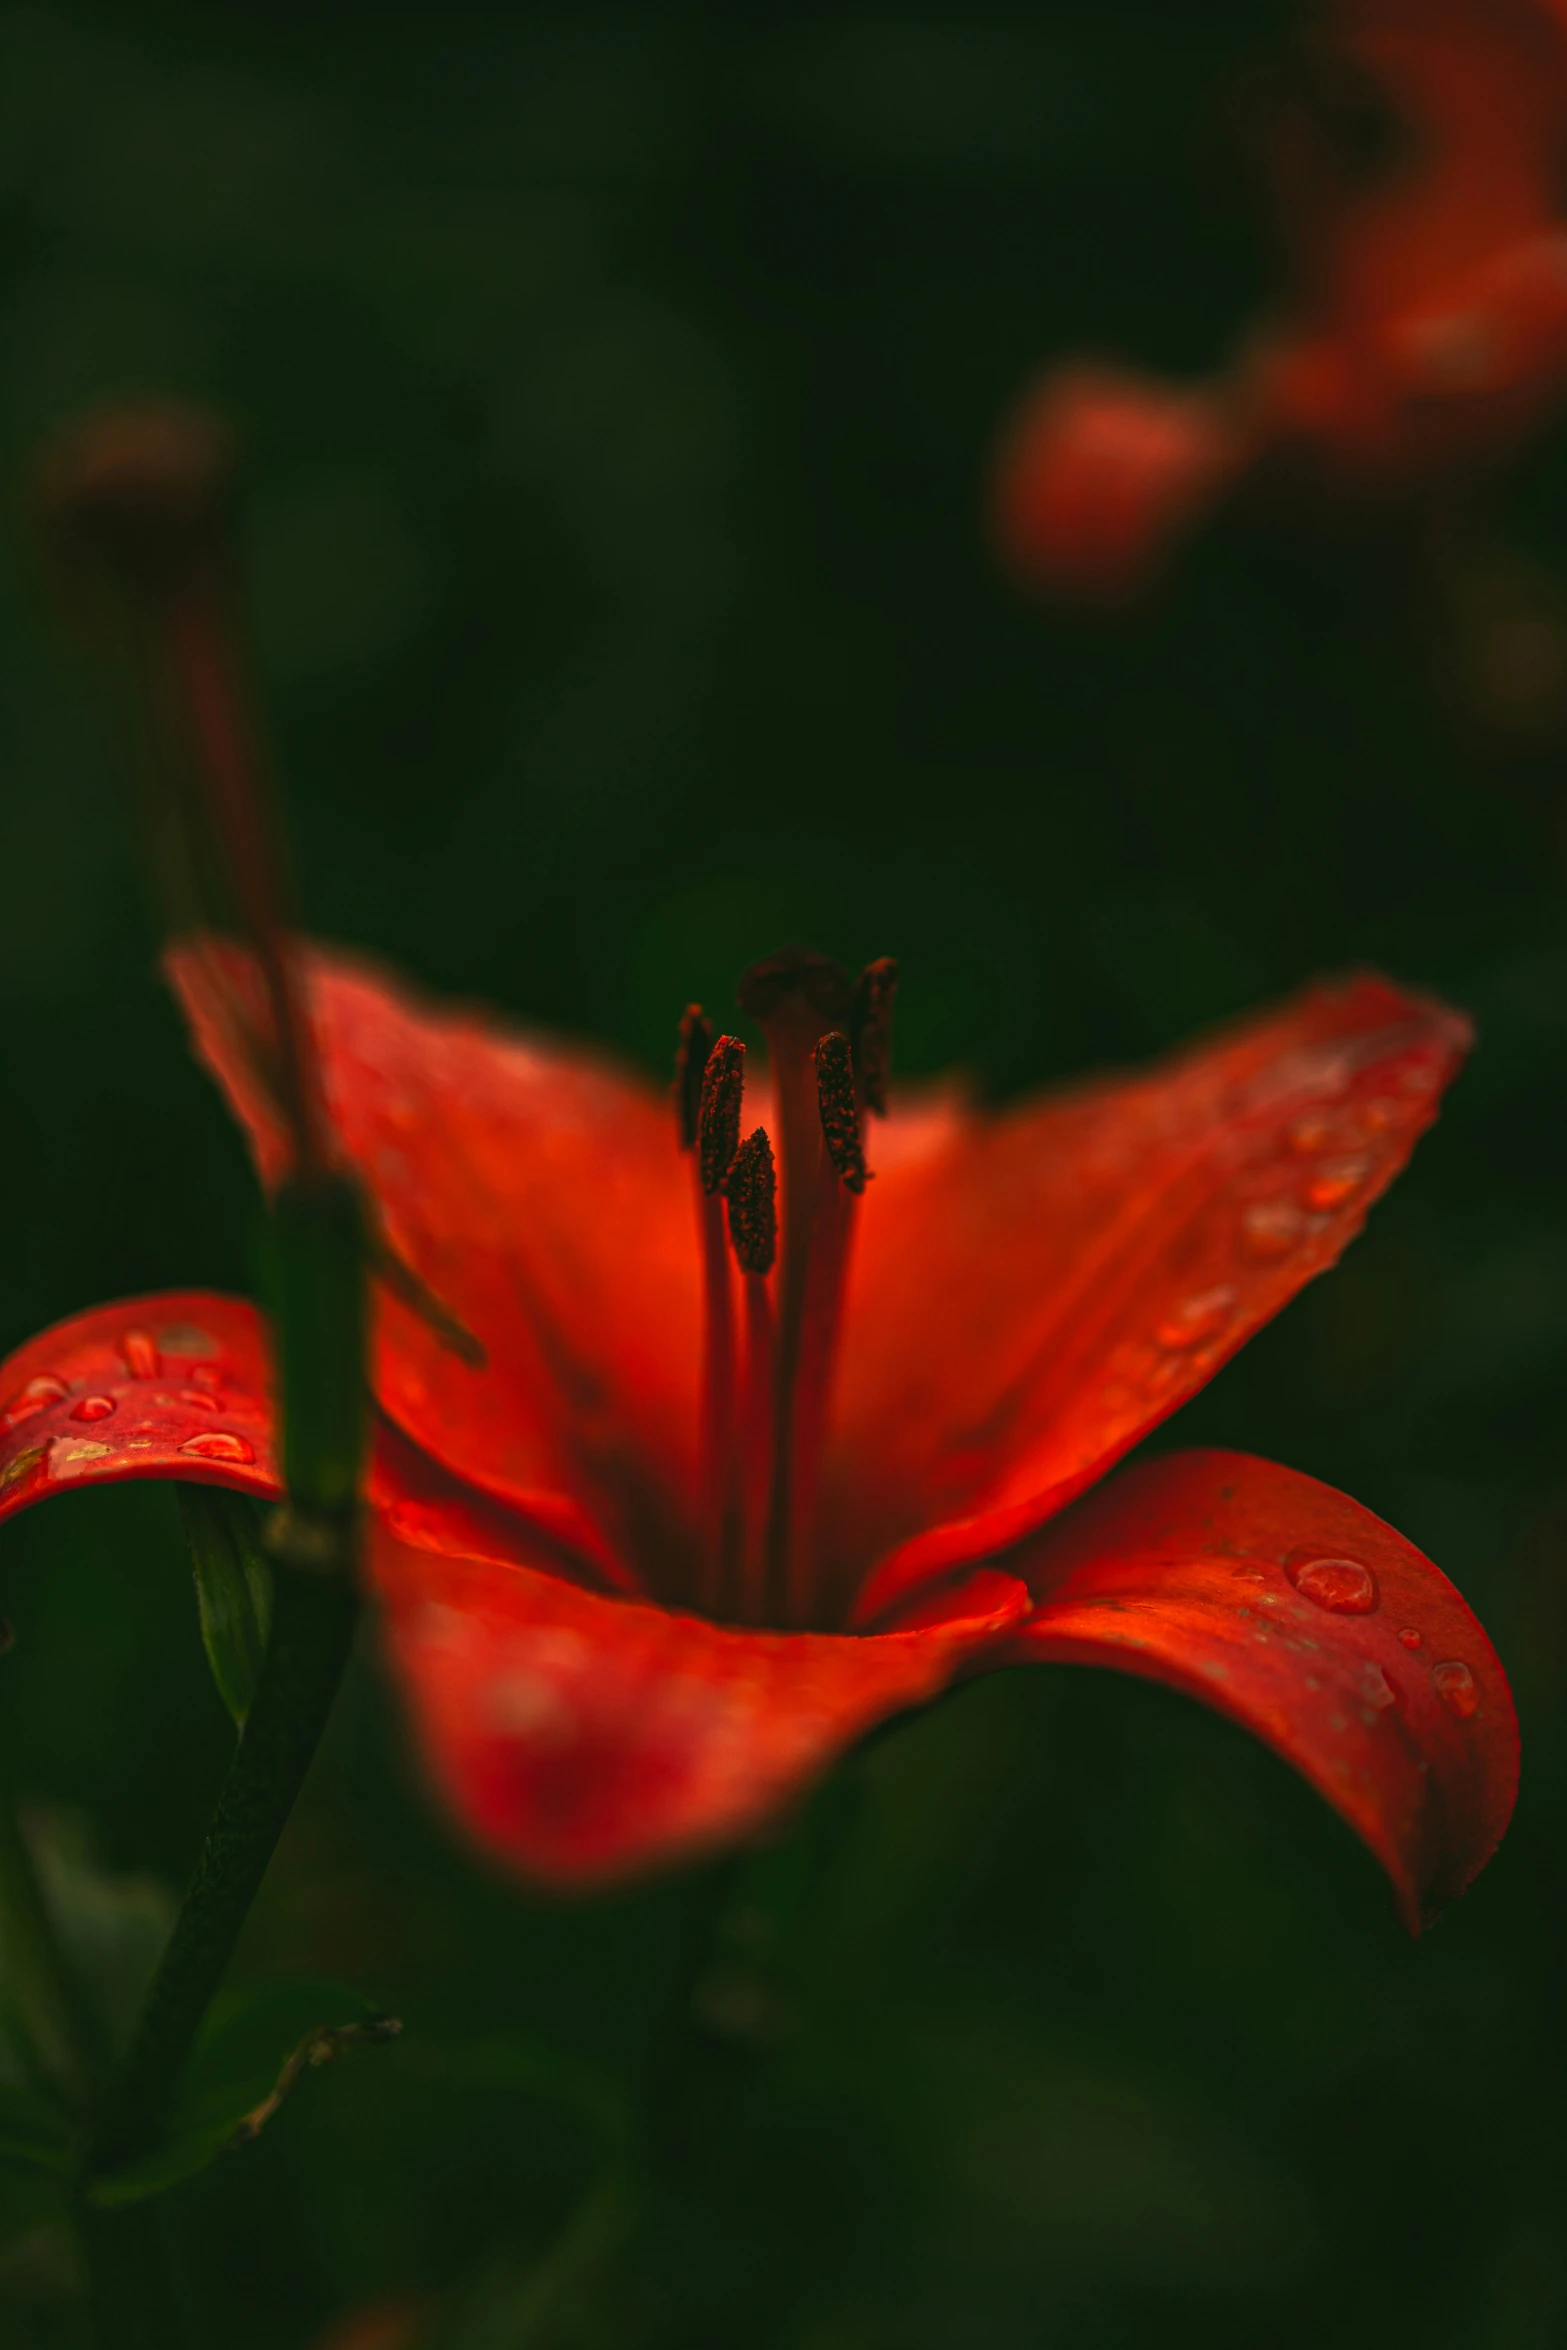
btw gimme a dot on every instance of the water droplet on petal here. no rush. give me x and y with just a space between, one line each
1311 1132
1410 1637
219 1444
37 1395
1197 1318
202 1403
1271 1227
1343 1586
140 1351
1376 1688
1336 1181
93 1407
1455 1686
206 1375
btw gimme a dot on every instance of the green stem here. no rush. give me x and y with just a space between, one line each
62 2027
312 1627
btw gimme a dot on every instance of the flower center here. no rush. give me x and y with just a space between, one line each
767 1369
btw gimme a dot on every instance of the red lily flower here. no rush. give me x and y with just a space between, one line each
1428 328
653 1562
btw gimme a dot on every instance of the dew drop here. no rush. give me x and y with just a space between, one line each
1336 1181
1271 1227
93 1407
1343 1586
202 1403
140 1350
1409 1636
1376 1688
1312 1132
1197 1318
1455 1686
36 1396
219 1444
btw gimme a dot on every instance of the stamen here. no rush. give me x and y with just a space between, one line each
840 1112
718 1119
871 1028
696 1042
715 1138
753 1231
753 1208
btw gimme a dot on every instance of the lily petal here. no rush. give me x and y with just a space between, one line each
539 1194
1290 1608
180 1385
1035 1296
170 1386
582 1738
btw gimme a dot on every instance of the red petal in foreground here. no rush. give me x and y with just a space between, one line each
1033 1299
170 1386
586 1738
1311 1623
538 1193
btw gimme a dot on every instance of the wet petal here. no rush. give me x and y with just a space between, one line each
1300 1615
176 1385
539 1194
1036 1293
582 1738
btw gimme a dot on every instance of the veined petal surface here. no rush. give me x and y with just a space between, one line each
1288 1607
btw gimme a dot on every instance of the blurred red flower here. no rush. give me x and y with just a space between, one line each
647 1567
1426 329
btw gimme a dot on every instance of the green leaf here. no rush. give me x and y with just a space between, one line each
233 1590
34 2134
252 2053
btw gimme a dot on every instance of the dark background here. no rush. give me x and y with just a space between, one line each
619 389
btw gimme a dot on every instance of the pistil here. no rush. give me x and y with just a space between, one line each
796 998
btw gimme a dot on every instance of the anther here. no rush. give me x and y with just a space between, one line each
840 1111
753 1203
871 1029
718 1117
696 1042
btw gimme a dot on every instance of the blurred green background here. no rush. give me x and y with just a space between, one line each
619 387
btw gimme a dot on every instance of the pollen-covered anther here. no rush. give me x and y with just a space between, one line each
752 1191
691 1057
718 1118
840 1110
871 1029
